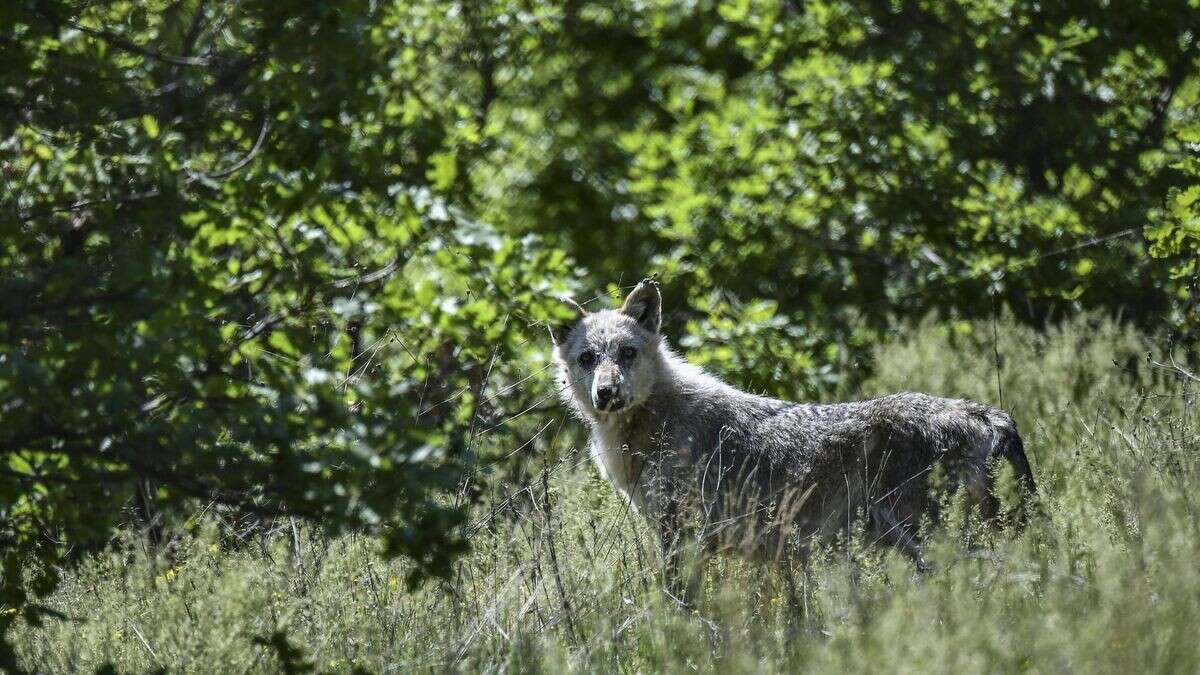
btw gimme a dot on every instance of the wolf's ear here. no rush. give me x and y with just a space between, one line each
644 304
559 329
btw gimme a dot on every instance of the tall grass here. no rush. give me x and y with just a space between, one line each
563 577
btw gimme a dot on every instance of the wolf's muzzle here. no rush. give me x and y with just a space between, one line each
608 399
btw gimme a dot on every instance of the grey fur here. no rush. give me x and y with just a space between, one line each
760 472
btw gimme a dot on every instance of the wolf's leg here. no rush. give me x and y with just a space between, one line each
682 557
797 596
890 530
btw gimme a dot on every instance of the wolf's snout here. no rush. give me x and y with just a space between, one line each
607 397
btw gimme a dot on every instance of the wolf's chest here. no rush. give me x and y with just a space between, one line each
612 455
638 457
621 451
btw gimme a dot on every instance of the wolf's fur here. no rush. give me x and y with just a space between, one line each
761 472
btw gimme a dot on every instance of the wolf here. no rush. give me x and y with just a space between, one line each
732 471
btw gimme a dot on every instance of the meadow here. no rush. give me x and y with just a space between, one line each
562 577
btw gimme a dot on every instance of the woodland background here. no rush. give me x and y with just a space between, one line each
274 278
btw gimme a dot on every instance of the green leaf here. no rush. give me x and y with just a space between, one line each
150 124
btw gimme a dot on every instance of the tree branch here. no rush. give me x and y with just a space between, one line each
125 45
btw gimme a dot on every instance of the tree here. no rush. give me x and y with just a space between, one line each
810 172
236 274
1175 236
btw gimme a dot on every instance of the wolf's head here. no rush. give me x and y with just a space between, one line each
610 360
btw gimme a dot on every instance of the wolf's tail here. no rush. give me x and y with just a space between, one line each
1011 449
1008 447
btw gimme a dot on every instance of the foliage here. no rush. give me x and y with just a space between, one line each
854 160
1175 236
231 279
1105 581
272 256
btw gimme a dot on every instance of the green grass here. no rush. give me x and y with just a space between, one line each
1107 579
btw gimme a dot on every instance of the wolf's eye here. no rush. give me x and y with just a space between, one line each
587 358
628 353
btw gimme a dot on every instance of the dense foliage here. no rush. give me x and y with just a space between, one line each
229 279
288 258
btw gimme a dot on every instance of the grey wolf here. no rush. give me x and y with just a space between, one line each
706 462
